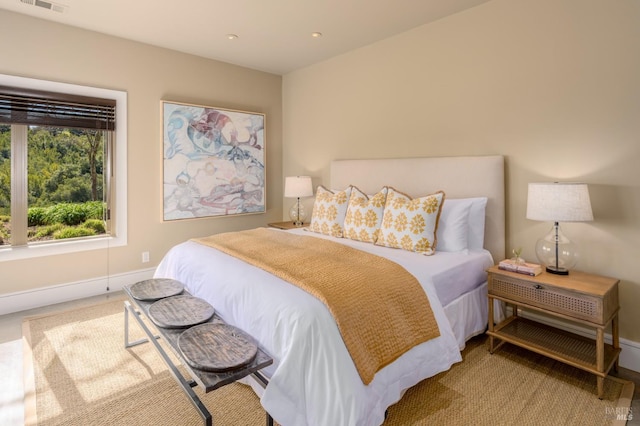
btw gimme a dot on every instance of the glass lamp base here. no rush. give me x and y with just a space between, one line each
557 271
556 252
297 214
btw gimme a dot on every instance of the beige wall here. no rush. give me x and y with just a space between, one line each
39 49
553 85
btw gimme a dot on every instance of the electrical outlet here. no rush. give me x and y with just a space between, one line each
145 256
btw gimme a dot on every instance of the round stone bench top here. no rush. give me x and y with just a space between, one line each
180 311
155 289
217 347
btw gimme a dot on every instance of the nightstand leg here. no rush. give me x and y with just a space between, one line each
615 339
600 359
491 324
600 387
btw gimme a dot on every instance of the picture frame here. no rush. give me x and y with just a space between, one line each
213 161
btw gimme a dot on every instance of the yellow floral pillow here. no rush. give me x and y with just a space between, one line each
329 210
364 215
411 224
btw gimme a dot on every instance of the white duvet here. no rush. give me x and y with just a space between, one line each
313 380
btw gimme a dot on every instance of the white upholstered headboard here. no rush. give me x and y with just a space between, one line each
458 177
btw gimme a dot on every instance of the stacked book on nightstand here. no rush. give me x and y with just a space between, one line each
525 268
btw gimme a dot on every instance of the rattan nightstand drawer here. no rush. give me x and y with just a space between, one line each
548 297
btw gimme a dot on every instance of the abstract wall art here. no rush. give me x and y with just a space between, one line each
213 161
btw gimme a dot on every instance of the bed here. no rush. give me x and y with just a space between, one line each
313 380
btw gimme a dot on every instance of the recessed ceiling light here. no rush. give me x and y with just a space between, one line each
231 36
316 35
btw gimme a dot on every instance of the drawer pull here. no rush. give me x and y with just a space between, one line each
537 286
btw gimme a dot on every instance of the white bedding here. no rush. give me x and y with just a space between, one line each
313 380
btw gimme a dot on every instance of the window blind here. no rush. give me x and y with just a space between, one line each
41 108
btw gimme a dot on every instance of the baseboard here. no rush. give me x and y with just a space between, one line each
630 350
24 300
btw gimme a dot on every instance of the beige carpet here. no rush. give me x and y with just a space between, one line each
77 372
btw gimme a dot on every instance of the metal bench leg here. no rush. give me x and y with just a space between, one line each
262 380
128 344
184 384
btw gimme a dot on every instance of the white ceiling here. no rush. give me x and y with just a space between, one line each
273 35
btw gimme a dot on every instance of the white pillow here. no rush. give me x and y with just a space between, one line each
475 232
453 228
477 216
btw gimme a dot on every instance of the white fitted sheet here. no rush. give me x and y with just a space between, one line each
313 380
458 273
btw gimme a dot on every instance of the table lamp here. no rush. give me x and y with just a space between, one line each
558 202
297 187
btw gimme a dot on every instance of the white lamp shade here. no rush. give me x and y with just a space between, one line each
559 202
297 187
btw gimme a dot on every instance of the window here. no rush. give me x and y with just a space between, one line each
62 168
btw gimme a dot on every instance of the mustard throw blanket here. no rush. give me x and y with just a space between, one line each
380 309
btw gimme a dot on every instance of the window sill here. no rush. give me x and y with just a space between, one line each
56 248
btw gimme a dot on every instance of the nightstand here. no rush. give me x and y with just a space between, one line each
285 225
585 299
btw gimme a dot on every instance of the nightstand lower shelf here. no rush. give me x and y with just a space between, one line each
560 345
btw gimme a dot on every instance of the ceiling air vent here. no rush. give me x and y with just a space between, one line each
45 5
